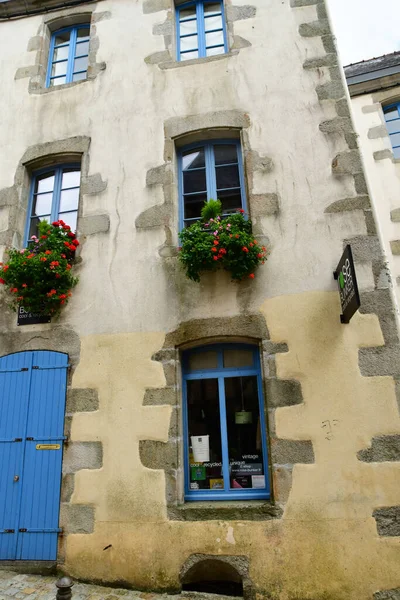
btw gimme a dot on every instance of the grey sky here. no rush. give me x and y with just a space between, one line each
365 28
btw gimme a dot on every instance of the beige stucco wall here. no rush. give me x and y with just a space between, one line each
326 542
129 298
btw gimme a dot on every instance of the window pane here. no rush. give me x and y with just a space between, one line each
396 152
215 51
69 218
225 154
231 200
42 204
238 357
61 53
227 177
194 181
188 27
58 81
34 225
393 126
391 113
44 183
79 76
62 38
190 55
214 39
70 179
59 68
187 13
69 200
204 435
203 360
212 7
193 159
80 64
193 205
395 139
189 43
213 23
82 49
246 464
83 32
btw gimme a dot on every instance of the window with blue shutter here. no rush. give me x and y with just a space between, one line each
54 195
69 55
392 118
210 170
225 441
201 29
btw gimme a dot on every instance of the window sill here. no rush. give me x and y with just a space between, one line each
174 64
250 510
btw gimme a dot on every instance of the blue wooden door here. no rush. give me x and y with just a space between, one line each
32 407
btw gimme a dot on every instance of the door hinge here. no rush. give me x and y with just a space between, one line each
22 530
17 439
9 530
24 369
35 367
30 439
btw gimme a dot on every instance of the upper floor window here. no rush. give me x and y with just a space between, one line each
210 170
392 117
54 195
69 54
200 29
225 441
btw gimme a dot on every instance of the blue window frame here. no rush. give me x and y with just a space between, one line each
392 118
210 170
200 29
225 442
68 56
54 195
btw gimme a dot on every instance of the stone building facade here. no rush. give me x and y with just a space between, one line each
330 528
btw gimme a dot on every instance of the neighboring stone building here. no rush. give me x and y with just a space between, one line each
374 87
313 510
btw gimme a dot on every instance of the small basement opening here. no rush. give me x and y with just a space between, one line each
213 577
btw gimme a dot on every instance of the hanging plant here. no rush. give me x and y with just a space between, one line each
220 242
39 277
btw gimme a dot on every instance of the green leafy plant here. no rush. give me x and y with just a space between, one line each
215 242
39 277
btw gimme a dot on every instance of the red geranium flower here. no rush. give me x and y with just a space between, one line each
2 280
251 275
241 211
245 249
75 242
48 252
24 285
215 257
43 237
216 242
14 290
29 256
68 267
213 249
7 266
70 234
63 256
56 223
43 258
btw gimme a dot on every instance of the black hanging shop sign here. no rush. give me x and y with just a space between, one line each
27 318
345 275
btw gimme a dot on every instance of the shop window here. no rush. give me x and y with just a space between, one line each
200 29
54 195
225 441
210 170
69 55
392 118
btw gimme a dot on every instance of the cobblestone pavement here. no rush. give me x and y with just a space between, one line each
15 586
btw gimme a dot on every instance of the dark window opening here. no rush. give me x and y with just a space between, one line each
213 577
